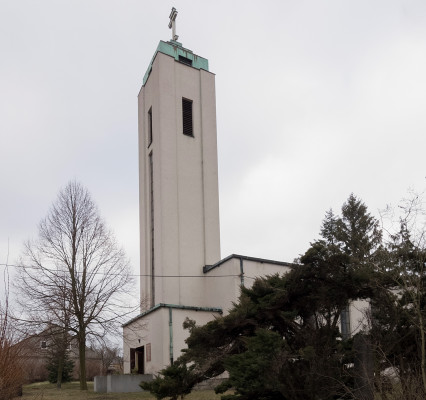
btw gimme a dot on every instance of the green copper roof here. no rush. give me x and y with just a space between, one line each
175 50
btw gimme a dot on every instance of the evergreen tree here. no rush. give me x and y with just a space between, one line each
176 380
329 228
358 231
256 373
352 240
288 327
53 366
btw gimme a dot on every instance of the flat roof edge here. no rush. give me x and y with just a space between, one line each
208 268
175 49
175 306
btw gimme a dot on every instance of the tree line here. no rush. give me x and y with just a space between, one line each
283 339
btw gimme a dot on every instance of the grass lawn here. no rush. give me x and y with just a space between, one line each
69 391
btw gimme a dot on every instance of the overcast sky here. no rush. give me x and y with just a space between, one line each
315 100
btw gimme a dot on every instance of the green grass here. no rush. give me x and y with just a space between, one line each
69 391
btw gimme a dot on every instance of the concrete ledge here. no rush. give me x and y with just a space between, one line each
120 383
100 384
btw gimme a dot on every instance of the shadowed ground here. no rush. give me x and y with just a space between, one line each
48 391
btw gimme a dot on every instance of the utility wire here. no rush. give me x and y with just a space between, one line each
135 275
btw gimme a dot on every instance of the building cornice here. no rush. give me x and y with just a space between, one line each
174 306
208 268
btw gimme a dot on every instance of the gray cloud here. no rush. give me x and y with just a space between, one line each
314 100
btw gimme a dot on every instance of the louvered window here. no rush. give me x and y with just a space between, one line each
187 117
186 61
149 126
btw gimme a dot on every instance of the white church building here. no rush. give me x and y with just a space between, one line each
182 274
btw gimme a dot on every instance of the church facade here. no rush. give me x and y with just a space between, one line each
182 275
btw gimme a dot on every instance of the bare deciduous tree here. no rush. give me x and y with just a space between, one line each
399 318
75 275
108 354
11 371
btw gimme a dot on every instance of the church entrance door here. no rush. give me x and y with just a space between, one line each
140 359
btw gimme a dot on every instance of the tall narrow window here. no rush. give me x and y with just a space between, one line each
148 352
149 126
187 117
151 212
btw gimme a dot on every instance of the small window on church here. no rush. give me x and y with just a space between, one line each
149 126
148 352
187 117
43 344
186 61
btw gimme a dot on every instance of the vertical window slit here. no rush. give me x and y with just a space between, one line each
151 211
149 126
187 117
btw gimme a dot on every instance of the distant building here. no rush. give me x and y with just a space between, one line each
36 351
181 271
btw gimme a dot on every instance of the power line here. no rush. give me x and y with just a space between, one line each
134 275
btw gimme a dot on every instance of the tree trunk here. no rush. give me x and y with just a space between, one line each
60 370
82 358
422 347
363 368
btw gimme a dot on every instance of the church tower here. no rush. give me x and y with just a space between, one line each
182 275
178 182
178 204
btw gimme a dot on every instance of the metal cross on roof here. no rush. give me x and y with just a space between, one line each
172 23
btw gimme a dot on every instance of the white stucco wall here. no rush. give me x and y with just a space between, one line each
223 283
154 329
151 329
358 311
180 334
